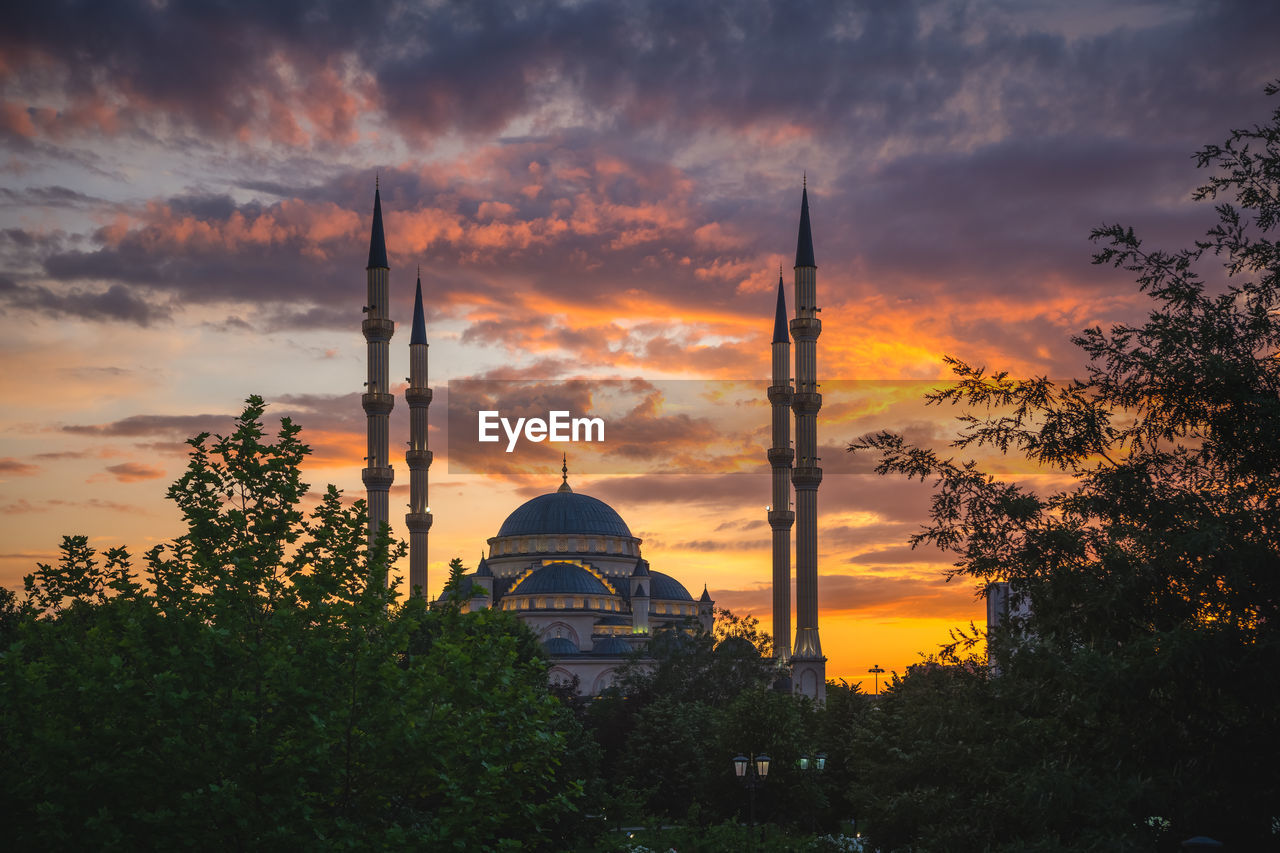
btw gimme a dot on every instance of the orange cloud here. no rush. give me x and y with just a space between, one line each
131 472
9 465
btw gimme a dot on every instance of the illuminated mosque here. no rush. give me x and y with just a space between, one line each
566 563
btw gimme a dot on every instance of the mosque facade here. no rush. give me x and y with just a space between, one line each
566 563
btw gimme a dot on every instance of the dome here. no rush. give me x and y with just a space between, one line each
560 579
560 646
611 646
667 588
564 512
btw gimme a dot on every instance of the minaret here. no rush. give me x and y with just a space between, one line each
418 396
780 458
377 398
808 666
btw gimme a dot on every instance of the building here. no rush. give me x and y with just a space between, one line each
565 563
797 472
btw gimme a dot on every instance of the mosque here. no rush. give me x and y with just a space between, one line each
566 563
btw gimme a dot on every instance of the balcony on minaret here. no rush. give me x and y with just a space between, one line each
417 396
377 404
378 478
780 518
418 459
781 454
417 522
780 394
806 473
805 328
806 402
377 329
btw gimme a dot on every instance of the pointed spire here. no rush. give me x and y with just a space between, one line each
804 241
564 474
419 334
780 335
706 596
377 242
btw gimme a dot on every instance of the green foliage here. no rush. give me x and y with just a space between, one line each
1145 681
261 686
684 710
731 626
726 837
696 666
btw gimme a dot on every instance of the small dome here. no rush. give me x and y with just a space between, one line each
560 646
667 588
560 579
564 513
611 646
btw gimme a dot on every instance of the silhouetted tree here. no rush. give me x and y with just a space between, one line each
258 686
1149 666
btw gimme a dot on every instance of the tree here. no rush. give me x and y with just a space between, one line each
261 685
1153 646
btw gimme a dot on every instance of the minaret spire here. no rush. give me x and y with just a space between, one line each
377 399
781 518
377 240
564 474
418 456
780 335
804 240
808 666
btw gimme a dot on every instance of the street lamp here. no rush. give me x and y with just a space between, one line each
877 670
817 764
751 772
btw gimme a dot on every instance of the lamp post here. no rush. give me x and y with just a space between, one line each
877 670
815 764
751 773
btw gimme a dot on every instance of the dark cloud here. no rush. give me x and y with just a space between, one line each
131 472
9 465
907 597
897 556
118 302
148 426
22 505
856 73
50 196
717 545
963 152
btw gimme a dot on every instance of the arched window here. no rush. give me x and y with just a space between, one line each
603 681
559 629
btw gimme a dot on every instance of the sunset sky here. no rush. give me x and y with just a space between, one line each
593 190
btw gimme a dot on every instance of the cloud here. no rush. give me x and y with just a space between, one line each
118 302
132 472
149 426
908 597
49 196
22 506
9 465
